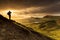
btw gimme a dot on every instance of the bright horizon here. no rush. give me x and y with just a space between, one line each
20 13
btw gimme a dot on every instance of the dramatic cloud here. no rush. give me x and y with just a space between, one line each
52 9
27 3
45 6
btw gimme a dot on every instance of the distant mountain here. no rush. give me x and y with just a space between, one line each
34 19
39 20
48 23
50 16
11 30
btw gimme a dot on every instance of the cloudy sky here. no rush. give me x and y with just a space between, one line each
31 7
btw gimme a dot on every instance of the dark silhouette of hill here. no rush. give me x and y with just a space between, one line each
11 30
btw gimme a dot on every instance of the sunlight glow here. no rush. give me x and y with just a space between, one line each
10 10
22 13
4 13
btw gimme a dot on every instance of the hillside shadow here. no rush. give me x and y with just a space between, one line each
50 25
12 30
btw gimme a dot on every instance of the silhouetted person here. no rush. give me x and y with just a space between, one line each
9 14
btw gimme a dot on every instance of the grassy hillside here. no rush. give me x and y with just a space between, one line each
11 30
49 25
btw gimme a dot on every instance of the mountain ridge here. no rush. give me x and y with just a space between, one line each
10 30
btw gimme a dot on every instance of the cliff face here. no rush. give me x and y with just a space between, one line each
11 30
